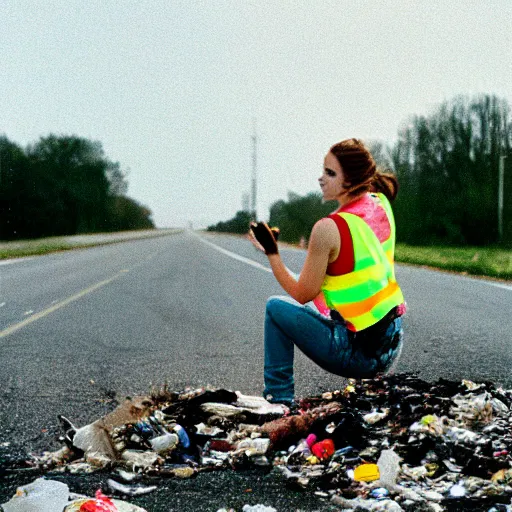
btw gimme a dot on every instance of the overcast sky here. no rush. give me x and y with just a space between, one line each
171 87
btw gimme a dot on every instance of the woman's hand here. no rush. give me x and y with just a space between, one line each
252 239
263 237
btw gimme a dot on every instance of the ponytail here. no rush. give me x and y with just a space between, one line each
385 182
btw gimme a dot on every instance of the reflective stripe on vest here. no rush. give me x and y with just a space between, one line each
365 295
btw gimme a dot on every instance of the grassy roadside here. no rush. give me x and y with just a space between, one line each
481 261
488 262
41 246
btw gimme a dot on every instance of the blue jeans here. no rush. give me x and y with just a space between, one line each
327 342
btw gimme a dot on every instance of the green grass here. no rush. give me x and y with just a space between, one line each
34 249
483 261
40 246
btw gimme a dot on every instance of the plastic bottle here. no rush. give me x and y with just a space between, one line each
182 434
389 466
164 443
144 429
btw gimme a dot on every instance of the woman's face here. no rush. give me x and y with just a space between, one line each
331 181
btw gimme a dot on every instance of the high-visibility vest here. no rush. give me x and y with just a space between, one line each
365 295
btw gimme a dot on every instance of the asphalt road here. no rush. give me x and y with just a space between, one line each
79 329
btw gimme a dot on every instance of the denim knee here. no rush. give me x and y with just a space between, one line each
278 301
271 304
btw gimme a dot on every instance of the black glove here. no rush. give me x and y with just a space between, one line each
266 236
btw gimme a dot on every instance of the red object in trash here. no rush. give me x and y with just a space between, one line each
220 445
323 449
101 503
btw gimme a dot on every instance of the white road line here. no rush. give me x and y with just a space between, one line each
296 276
65 302
243 259
14 260
505 286
234 255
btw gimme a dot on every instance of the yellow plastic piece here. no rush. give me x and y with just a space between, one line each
366 473
428 419
502 476
312 459
431 468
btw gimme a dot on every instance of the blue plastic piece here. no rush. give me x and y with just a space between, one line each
183 436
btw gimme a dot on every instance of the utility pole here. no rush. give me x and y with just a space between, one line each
501 181
253 188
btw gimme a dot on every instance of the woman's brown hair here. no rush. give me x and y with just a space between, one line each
360 170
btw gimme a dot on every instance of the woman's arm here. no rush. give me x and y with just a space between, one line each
321 245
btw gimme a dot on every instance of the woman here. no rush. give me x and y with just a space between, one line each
355 326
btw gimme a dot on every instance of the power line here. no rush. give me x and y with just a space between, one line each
254 172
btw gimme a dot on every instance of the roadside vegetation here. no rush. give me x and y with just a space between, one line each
481 261
64 185
37 247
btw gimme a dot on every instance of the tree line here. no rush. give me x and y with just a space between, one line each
64 185
448 168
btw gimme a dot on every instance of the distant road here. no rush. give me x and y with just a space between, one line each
81 326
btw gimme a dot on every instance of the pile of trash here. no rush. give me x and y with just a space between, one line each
52 496
386 444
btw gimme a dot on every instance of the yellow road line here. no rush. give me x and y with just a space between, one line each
65 302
